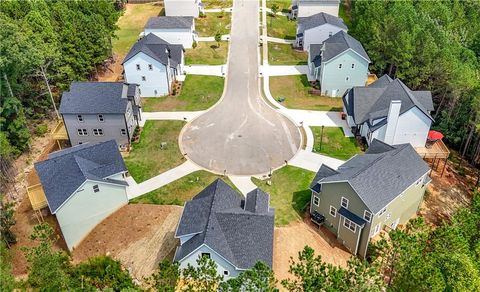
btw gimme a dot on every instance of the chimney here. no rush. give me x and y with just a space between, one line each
392 121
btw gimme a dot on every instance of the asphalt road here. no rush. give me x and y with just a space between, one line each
241 135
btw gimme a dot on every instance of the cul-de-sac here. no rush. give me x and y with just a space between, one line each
239 145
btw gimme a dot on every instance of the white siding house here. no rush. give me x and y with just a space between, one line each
83 185
304 8
389 111
183 7
176 30
153 64
316 29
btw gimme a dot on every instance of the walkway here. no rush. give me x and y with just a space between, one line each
278 40
312 161
243 183
173 116
225 37
135 190
228 9
212 70
283 70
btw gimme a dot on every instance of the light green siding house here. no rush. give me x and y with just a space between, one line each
83 185
378 190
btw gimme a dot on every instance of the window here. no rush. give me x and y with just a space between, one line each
205 254
348 78
353 66
330 34
382 211
123 132
97 132
349 224
367 216
155 92
144 78
316 201
100 118
138 66
388 216
419 181
376 230
80 118
344 202
96 189
80 143
82 132
339 66
226 273
333 211
150 67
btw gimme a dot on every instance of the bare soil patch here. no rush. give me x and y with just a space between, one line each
138 235
291 239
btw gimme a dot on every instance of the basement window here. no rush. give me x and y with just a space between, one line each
96 189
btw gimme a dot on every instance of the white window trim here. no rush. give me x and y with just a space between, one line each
102 119
382 211
353 65
334 211
226 273
144 78
81 132
349 225
121 132
364 213
80 118
375 231
99 132
138 67
150 67
318 200
341 202
97 187
339 66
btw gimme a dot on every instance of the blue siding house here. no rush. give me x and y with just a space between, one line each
338 64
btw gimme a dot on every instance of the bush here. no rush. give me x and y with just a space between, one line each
41 130
194 45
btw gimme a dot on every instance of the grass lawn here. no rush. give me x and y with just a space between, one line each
199 92
181 190
213 23
295 88
281 27
284 54
289 193
283 5
147 160
207 53
131 23
334 143
209 4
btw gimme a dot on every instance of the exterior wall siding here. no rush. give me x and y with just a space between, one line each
319 34
157 83
85 209
335 81
182 8
174 36
309 9
111 126
222 264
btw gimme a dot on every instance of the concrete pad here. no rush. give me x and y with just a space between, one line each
211 70
169 116
243 183
312 161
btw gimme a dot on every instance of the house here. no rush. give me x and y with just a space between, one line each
378 190
389 111
83 185
101 111
317 28
339 63
153 64
234 231
305 8
176 30
183 7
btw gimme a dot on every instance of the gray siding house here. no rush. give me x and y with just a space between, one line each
234 231
101 111
83 185
378 190
316 29
339 63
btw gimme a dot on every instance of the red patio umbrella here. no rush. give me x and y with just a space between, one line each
434 135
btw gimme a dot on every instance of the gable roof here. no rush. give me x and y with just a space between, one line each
380 175
320 19
367 103
96 98
315 54
240 231
169 22
66 170
158 49
339 43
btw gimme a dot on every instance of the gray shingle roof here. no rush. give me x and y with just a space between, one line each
217 219
95 98
381 174
158 49
339 43
367 103
166 22
66 170
315 57
320 19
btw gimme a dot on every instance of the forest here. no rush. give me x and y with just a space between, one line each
430 45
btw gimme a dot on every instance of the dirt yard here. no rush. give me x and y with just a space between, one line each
138 235
291 239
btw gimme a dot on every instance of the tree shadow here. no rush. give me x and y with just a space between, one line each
300 200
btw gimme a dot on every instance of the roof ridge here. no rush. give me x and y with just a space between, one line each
371 164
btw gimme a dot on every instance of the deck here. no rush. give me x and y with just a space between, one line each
371 78
436 151
60 132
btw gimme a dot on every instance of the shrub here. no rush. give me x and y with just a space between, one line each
41 130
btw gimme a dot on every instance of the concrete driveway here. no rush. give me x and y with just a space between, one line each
241 135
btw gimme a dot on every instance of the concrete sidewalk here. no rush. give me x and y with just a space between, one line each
173 116
243 183
225 37
228 9
211 70
135 190
278 13
284 70
312 161
278 40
